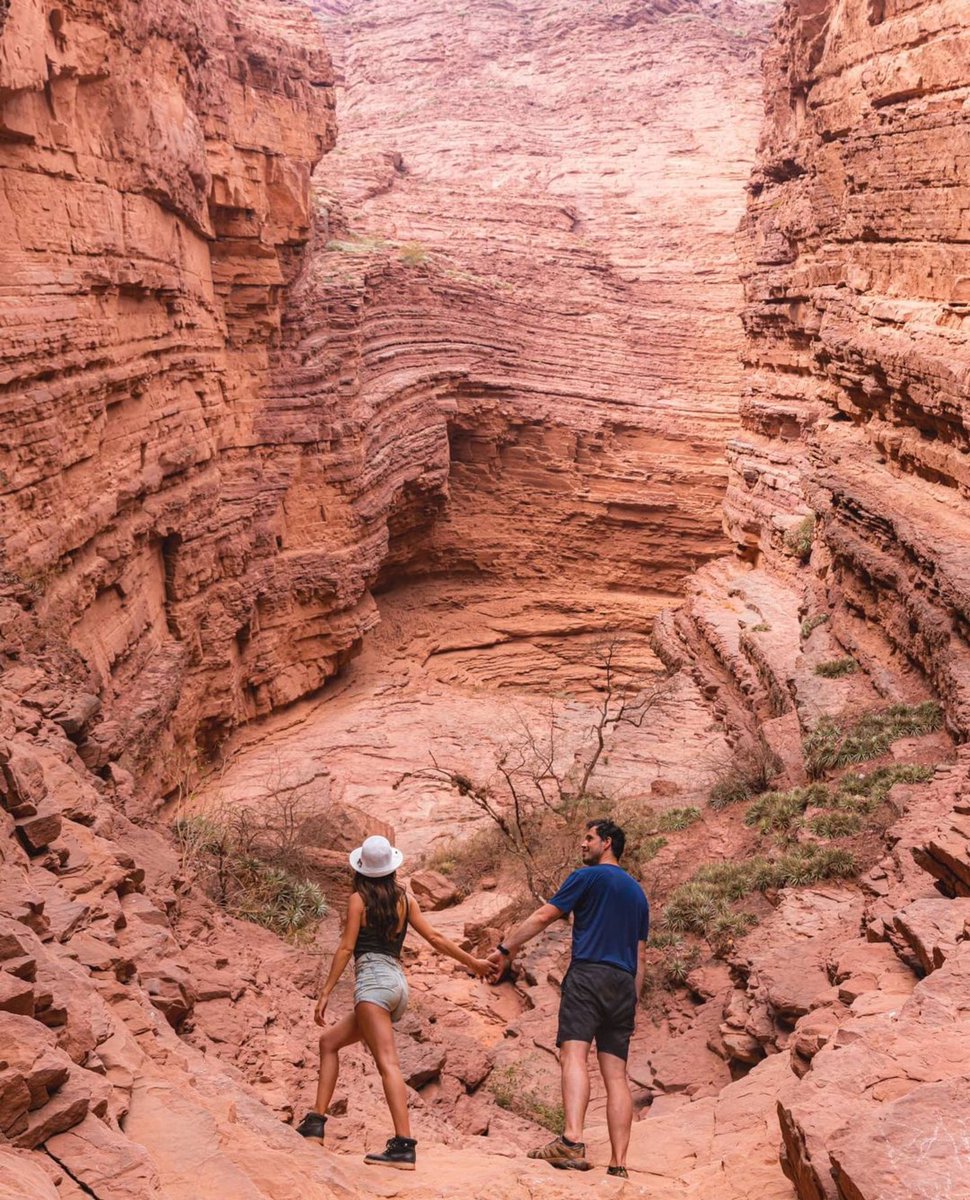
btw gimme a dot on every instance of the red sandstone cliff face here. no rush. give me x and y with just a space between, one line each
847 501
155 164
530 279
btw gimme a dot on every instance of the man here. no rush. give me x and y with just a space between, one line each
600 990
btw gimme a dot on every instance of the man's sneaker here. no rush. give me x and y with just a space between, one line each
619 1172
558 1154
311 1127
399 1154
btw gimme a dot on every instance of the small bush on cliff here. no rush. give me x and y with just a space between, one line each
836 668
749 773
813 622
508 1087
676 819
777 812
835 824
676 961
873 788
833 744
413 254
255 870
855 797
702 905
798 539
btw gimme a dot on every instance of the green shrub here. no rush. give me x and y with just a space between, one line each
832 744
413 254
864 793
813 622
731 880
761 627
277 900
777 812
702 904
692 908
506 1085
812 863
676 819
727 928
250 870
798 539
835 668
837 823
675 967
662 938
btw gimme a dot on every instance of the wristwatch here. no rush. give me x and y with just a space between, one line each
503 949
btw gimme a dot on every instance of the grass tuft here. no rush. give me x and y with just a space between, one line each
507 1086
813 622
676 819
836 668
837 823
778 812
832 744
748 774
798 539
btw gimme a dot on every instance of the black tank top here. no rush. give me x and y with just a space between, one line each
369 941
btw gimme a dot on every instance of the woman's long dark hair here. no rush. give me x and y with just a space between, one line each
381 898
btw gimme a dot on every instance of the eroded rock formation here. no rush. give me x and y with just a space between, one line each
847 501
497 409
156 164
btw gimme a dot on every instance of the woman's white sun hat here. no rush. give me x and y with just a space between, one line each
376 857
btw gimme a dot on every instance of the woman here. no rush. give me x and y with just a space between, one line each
378 915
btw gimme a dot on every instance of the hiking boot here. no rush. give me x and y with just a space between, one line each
399 1153
311 1127
567 1158
619 1172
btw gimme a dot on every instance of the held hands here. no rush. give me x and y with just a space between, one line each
482 968
498 964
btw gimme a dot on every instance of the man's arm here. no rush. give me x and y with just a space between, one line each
543 916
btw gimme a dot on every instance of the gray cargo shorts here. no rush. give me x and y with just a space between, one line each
380 980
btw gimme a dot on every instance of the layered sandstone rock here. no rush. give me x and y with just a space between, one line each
156 166
857 351
532 289
847 503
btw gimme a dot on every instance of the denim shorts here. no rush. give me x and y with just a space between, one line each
380 980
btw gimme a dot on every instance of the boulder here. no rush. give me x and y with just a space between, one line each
433 891
105 1162
932 928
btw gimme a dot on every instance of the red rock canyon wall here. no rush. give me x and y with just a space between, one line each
847 501
155 164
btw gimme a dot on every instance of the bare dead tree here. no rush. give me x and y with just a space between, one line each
531 793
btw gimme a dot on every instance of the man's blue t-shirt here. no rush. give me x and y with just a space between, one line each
611 915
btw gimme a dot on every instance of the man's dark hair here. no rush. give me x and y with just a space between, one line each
606 829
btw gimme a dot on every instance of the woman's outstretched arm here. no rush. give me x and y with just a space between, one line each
442 944
341 956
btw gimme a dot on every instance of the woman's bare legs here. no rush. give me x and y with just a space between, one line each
344 1033
377 1031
